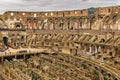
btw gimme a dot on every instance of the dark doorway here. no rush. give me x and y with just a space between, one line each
103 40
68 25
17 26
5 40
110 53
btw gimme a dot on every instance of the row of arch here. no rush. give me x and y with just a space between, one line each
60 23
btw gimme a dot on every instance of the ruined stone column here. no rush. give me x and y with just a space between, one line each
99 49
96 49
90 49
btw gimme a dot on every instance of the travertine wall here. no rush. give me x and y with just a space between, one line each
105 18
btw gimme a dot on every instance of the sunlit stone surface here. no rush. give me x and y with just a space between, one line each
60 45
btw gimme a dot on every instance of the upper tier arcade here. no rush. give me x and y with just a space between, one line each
102 18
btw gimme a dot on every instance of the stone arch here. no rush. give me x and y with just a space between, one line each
102 40
116 79
110 53
96 68
102 71
109 74
17 25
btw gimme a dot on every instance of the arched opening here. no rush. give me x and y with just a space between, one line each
102 71
116 79
80 25
17 26
102 40
96 68
5 40
56 45
22 37
110 53
68 25
109 75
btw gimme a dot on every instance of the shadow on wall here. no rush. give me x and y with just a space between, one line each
5 40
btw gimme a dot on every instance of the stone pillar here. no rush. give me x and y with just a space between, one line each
65 24
85 48
75 25
99 49
96 49
51 26
15 56
70 25
90 49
